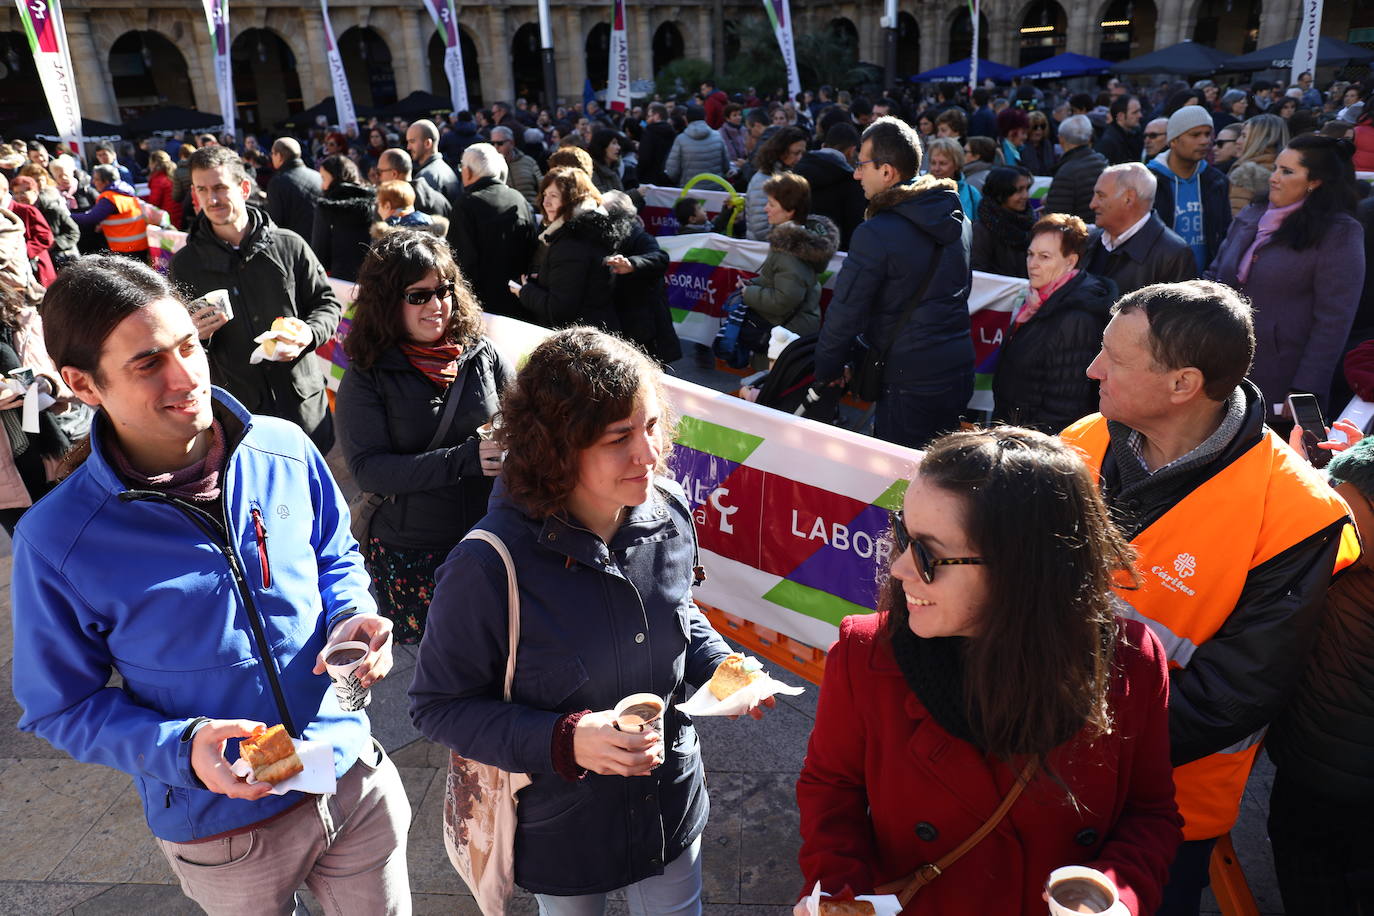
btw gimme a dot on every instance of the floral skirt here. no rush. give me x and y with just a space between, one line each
403 581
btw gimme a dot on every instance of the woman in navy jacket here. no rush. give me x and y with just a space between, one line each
604 547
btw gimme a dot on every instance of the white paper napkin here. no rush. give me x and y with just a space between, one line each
317 778
36 400
883 904
259 354
704 702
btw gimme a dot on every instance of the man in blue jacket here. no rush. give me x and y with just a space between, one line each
914 229
203 554
1193 199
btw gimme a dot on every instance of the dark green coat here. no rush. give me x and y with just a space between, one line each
787 290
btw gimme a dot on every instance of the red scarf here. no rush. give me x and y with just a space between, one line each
438 363
1037 297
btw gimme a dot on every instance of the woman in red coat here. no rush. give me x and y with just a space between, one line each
997 645
160 171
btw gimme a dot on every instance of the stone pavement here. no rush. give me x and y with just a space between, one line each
73 839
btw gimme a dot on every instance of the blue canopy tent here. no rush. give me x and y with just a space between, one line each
1190 58
987 69
1062 66
1331 52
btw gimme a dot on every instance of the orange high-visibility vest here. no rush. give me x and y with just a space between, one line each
1193 562
127 230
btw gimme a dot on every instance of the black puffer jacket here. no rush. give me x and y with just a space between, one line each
570 283
641 298
1324 740
343 221
1041 378
912 229
834 192
1071 191
386 416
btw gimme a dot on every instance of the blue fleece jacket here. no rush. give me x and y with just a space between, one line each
196 622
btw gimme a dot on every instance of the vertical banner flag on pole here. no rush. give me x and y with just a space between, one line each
618 79
780 14
47 35
1305 49
217 17
973 11
343 97
445 16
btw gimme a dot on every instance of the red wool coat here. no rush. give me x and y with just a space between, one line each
886 789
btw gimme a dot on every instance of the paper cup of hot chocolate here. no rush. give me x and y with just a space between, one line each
1077 889
341 660
640 712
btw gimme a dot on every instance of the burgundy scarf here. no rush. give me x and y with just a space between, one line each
199 482
438 363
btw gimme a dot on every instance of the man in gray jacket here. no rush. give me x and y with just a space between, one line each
293 189
1071 191
422 141
697 149
522 171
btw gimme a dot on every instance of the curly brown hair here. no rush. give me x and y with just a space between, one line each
394 262
575 384
574 186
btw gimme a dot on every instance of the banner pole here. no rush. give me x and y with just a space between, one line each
546 55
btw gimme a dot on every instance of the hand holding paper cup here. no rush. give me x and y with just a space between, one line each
340 661
1076 889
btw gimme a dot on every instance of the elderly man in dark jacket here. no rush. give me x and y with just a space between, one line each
293 190
395 165
654 147
1071 191
492 231
915 230
1131 246
269 274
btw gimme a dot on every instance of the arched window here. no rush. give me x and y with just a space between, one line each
1228 25
367 62
961 36
908 44
1044 32
148 71
668 45
1128 29
597 53
526 64
266 87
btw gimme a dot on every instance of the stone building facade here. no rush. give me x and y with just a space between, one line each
130 56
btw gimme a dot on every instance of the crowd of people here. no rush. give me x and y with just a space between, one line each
1095 609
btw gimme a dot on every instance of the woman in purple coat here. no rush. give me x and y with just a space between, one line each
1299 256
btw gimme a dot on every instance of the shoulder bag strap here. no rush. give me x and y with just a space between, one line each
906 888
913 302
512 601
455 393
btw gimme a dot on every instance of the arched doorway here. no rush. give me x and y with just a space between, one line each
19 99
597 53
472 71
367 63
526 66
266 87
1231 26
961 36
148 71
1128 29
732 42
668 45
844 33
1044 32
908 45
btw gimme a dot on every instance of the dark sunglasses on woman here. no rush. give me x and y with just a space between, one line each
925 563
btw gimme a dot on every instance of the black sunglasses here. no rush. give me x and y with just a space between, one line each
421 296
925 563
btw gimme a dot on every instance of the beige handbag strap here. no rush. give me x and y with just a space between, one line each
906 888
512 599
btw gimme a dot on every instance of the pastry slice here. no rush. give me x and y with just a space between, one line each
271 754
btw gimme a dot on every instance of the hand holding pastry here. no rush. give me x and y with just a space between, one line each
211 767
293 336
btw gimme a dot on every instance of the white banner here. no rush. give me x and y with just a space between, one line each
780 15
47 34
217 18
343 96
1305 48
445 16
618 74
974 17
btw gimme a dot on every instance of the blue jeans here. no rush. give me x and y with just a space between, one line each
676 892
912 413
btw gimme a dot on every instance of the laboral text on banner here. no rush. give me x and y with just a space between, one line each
618 75
217 19
343 97
47 35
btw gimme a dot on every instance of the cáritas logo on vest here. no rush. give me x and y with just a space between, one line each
1185 564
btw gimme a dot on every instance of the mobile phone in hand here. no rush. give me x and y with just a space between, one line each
1307 413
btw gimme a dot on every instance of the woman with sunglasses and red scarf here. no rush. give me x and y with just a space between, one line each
422 379
996 659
